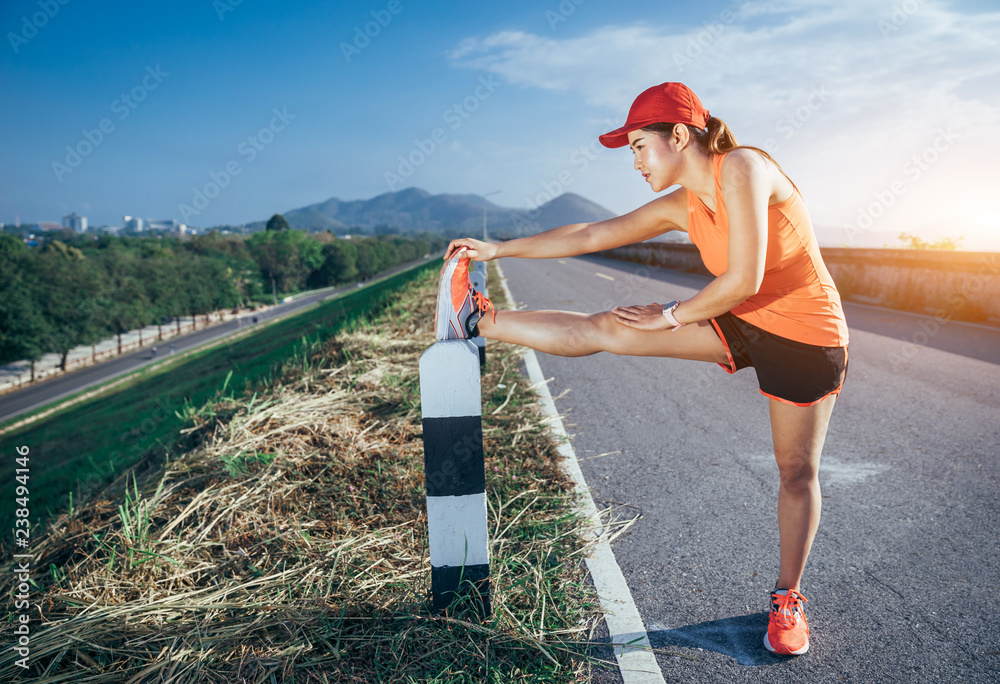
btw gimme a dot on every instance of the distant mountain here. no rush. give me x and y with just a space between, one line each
569 208
414 209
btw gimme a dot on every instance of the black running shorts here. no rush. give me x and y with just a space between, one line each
789 371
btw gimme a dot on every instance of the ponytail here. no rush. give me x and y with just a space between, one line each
716 138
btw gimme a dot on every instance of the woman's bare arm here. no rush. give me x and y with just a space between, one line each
564 241
653 218
746 189
657 217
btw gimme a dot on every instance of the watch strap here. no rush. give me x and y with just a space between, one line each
668 313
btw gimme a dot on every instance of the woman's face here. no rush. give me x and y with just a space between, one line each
655 159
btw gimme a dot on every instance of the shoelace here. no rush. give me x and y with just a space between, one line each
483 303
784 607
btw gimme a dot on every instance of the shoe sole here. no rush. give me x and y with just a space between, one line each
767 645
444 328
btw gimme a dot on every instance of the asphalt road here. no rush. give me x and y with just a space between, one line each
50 389
902 578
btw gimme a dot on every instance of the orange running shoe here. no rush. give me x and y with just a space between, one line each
787 630
459 305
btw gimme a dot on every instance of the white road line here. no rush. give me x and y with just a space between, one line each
637 663
601 275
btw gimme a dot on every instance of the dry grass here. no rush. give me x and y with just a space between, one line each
290 544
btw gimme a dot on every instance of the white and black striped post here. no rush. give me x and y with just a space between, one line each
477 276
452 407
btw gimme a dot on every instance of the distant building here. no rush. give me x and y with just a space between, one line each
138 225
75 222
163 224
49 226
132 223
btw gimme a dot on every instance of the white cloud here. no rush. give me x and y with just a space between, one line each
845 95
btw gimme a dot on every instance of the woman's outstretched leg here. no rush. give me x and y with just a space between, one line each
569 333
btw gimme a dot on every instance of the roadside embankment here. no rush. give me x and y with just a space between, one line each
84 445
291 536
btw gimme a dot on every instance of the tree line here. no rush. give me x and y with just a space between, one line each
81 289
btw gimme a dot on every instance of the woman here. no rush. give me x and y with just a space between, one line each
772 304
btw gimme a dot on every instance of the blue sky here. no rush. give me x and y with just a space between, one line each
884 113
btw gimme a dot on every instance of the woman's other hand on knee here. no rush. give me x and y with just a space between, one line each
641 316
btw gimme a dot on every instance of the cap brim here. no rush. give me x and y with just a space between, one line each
619 136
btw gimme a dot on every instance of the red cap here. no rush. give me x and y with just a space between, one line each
667 103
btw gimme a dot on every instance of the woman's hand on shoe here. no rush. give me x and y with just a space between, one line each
477 250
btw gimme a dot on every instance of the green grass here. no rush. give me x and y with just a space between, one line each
80 449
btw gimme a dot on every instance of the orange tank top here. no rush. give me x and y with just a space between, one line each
797 298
